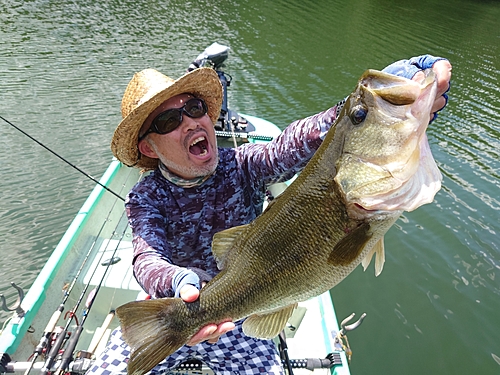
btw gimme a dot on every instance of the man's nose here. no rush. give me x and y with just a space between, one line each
189 123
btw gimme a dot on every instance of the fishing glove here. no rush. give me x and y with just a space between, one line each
408 68
192 275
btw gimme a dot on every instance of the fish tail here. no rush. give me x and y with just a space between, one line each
149 333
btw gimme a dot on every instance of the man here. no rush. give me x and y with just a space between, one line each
197 190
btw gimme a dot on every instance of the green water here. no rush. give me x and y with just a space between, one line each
64 66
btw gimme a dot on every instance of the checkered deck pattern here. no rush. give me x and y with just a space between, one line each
234 353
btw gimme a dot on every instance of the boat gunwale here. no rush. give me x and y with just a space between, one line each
15 330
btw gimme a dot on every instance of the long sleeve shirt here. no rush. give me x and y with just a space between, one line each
173 226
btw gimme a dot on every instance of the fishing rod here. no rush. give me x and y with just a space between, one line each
68 352
284 352
50 360
311 364
54 352
63 159
49 329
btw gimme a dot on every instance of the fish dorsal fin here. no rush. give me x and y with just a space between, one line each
268 324
379 252
223 242
349 247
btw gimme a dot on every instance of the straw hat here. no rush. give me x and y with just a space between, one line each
145 92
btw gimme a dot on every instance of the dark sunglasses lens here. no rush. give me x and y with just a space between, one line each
195 108
168 121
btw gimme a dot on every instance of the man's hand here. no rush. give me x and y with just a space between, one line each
412 69
210 332
442 68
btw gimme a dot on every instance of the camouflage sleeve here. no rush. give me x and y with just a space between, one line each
153 269
280 159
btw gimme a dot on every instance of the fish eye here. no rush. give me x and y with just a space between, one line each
358 114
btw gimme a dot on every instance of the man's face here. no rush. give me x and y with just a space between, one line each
189 151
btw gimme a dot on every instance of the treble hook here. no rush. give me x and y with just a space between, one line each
17 305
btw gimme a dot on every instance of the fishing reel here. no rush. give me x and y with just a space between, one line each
229 121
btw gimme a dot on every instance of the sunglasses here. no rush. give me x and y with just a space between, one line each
170 119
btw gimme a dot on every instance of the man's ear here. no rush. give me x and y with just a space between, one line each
146 149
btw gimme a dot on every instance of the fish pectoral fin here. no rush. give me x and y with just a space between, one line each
379 252
349 247
223 242
146 331
268 325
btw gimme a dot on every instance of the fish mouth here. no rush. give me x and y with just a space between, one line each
386 163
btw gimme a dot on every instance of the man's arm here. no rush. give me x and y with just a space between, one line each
152 262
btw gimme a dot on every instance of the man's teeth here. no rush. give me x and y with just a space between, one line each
203 149
199 139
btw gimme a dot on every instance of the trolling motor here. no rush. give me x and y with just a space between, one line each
229 122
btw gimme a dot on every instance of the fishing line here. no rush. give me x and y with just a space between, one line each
60 157
49 329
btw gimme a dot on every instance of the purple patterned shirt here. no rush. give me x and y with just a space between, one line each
173 226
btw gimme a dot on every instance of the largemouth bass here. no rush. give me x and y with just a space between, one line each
374 163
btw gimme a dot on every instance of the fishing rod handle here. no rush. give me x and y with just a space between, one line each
311 363
54 351
45 337
67 356
54 319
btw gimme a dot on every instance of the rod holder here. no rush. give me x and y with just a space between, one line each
17 305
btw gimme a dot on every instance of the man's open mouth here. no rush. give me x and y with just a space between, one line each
199 146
